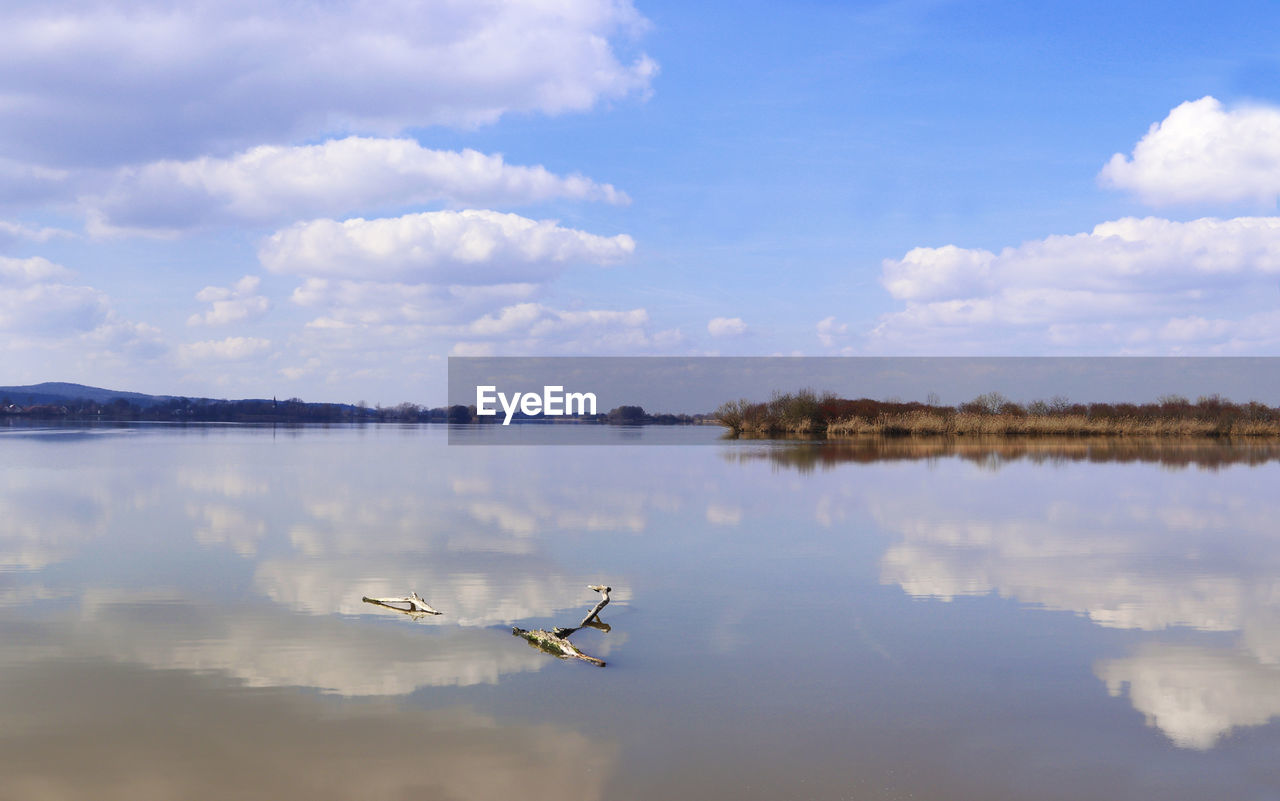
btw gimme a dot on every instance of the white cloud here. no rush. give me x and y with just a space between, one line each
439 247
1130 285
350 303
118 342
831 332
234 304
88 81
475 320
36 301
26 272
540 321
536 328
935 273
726 327
272 184
472 349
222 350
60 324
12 232
1203 153
22 183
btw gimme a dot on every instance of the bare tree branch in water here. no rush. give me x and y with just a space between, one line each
556 642
416 606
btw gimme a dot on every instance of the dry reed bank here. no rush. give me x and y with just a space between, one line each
811 414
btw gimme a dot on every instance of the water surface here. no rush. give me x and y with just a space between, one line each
181 617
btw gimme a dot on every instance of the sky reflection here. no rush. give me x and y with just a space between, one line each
921 604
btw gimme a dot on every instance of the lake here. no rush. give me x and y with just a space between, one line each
181 616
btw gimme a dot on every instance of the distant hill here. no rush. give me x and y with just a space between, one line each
58 392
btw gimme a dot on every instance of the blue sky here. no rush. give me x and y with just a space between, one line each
327 200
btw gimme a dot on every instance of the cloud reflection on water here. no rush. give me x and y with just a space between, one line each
1177 542
1147 549
78 730
271 647
1195 694
314 538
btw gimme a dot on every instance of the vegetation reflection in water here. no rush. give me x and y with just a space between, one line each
1205 452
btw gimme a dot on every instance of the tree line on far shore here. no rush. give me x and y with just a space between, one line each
295 410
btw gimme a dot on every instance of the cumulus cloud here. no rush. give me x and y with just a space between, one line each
36 300
831 331
26 272
438 247
120 342
221 350
271 183
233 304
361 317
93 82
726 327
1203 153
43 310
1127 284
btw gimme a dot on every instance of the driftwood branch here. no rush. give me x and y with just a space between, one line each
604 601
414 605
557 643
556 646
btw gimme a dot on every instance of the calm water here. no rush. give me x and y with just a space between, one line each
181 617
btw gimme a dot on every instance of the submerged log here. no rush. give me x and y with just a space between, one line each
414 605
555 645
557 642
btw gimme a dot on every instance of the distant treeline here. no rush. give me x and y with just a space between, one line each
810 413
295 410
198 410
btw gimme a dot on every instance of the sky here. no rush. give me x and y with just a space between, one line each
326 200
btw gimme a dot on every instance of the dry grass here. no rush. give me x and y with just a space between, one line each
965 424
809 414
